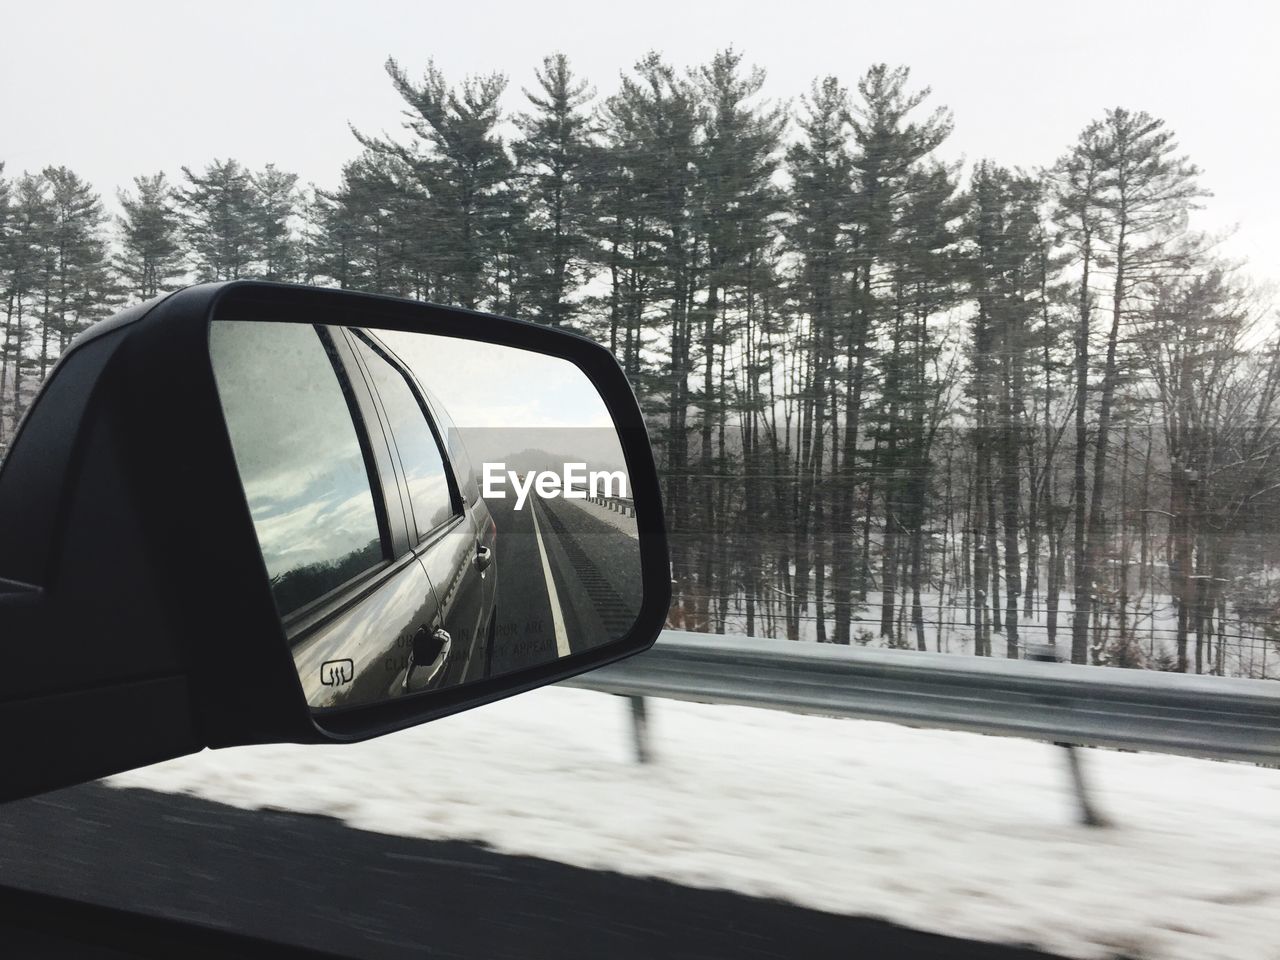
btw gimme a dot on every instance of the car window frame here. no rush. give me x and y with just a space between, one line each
299 624
457 503
293 620
373 420
440 413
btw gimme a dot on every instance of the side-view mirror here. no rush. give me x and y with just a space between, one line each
253 512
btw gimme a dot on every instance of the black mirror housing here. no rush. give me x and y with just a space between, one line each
135 609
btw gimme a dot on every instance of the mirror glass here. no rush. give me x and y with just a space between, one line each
431 511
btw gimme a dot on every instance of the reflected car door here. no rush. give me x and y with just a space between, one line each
447 539
355 645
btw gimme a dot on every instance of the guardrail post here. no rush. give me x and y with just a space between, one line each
640 729
1089 815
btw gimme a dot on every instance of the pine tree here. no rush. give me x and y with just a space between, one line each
368 231
275 205
27 264
311 212
5 212
7 292
1003 228
1215 371
1078 184
735 200
892 148
1149 189
821 170
651 128
554 163
458 165
79 287
150 259
1046 514
221 225
626 245
1122 198
924 290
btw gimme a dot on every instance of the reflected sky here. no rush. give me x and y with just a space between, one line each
486 385
506 401
295 444
420 456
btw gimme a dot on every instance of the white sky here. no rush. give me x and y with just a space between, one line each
116 89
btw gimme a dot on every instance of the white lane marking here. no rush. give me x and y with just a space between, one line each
557 618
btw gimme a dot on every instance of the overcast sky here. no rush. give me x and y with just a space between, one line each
120 88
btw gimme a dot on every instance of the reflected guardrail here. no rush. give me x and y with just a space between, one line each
623 505
1219 717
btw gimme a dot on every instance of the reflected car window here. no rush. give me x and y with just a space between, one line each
464 471
420 455
299 457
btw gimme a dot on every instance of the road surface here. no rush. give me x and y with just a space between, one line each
566 581
313 882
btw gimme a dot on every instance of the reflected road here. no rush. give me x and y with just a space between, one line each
568 579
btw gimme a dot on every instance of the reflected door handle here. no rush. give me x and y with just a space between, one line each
484 556
429 653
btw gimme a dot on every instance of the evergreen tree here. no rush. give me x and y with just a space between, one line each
7 240
311 235
150 259
1214 366
459 164
1123 194
554 164
891 255
26 261
78 286
275 205
1149 189
627 247
1078 183
651 128
920 362
5 202
221 223
1002 227
367 231
821 170
735 200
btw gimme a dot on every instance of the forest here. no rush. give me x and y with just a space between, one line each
896 399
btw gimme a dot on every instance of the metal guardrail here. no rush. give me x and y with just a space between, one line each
623 505
1224 718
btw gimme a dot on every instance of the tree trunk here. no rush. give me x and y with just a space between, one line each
1082 564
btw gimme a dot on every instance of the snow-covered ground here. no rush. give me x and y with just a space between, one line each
1152 625
961 834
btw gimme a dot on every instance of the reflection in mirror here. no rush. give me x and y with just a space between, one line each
301 463
431 511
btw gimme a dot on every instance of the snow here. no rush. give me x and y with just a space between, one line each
1152 624
957 833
